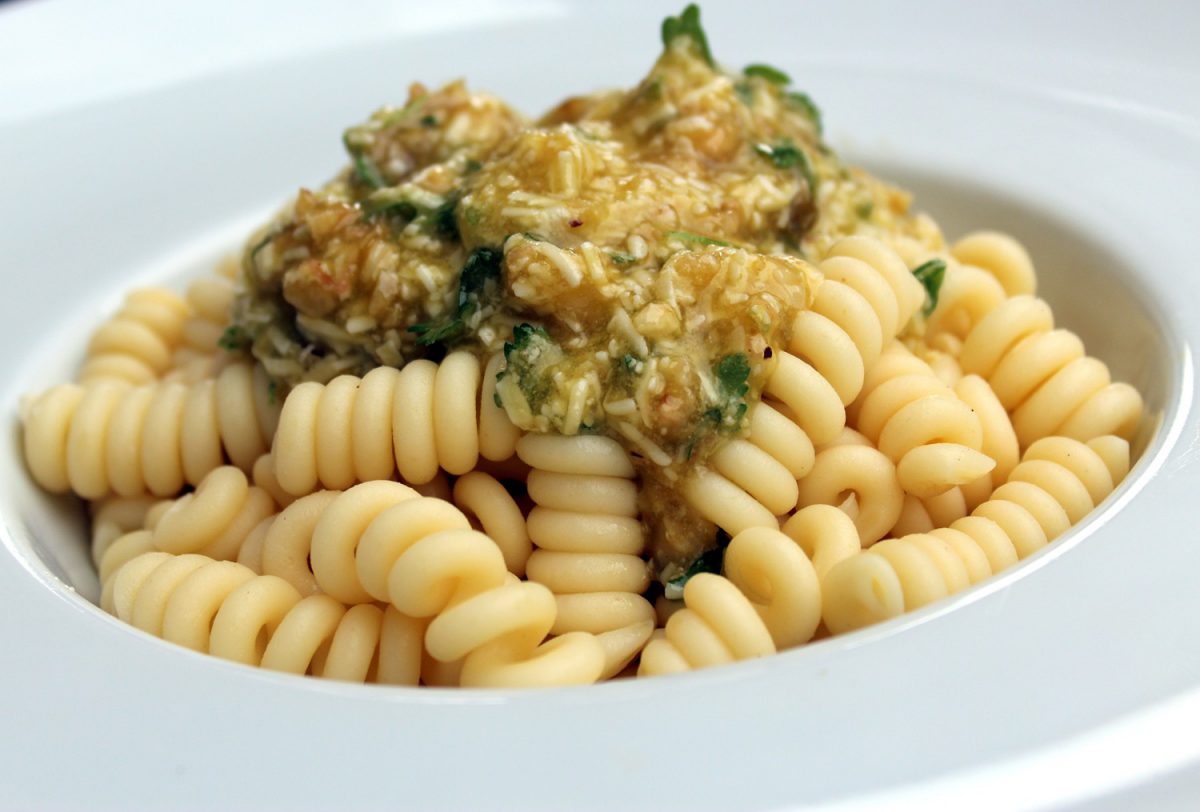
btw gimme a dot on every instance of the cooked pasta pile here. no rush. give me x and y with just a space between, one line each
651 384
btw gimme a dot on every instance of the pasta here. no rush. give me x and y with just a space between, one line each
109 436
1044 378
654 383
137 343
1058 482
589 541
424 418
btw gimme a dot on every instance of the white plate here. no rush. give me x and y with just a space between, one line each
1069 678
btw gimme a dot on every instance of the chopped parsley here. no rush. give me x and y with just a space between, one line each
443 220
482 267
804 103
366 170
529 358
711 560
786 155
233 339
393 201
931 274
621 259
429 120
700 239
687 24
733 383
773 75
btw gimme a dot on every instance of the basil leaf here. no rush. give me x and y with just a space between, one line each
931 274
687 24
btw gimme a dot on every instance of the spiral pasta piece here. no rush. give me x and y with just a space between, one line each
222 608
749 481
216 518
589 540
1058 481
769 599
932 436
203 350
136 344
109 436
420 419
211 300
1001 256
842 333
1044 378
967 295
908 293
492 509
867 474
117 516
381 541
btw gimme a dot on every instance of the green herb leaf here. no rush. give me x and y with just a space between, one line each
687 24
233 339
432 332
773 75
784 155
744 91
531 358
367 171
687 236
630 362
712 560
733 374
472 166
621 259
805 104
429 120
443 220
931 274
524 335
482 266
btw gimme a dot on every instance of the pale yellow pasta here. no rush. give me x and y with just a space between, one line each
909 294
115 516
842 333
1044 378
867 474
752 480
589 540
967 295
1000 255
418 420
223 608
109 436
723 622
263 475
1058 481
137 343
215 519
932 436
631 395
492 509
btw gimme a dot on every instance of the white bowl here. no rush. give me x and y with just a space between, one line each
1065 680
